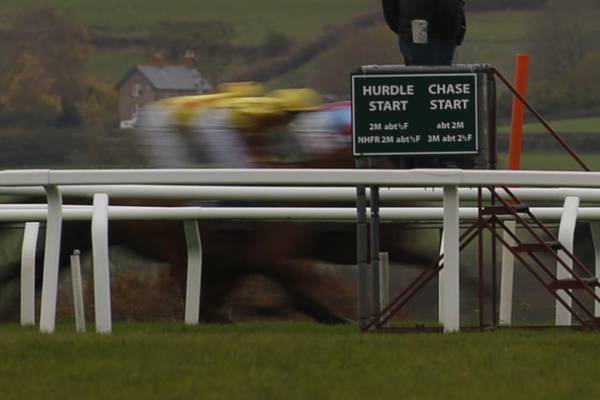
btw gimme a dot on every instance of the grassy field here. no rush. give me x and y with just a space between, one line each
252 19
493 37
295 361
571 125
552 161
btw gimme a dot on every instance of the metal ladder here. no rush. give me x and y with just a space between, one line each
526 252
543 242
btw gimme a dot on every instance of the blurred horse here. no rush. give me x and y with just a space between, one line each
249 131
241 127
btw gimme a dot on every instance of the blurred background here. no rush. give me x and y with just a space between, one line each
67 72
123 83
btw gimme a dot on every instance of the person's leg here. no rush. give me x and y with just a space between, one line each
436 52
442 51
407 47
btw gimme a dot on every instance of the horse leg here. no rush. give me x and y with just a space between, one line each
320 295
165 241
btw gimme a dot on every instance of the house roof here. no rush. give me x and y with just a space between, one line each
170 77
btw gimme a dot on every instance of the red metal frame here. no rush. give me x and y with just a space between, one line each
488 219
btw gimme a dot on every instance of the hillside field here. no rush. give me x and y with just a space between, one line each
493 37
566 126
252 19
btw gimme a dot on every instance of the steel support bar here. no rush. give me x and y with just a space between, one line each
362 257
421 280
30 238
549 249
194 272
536 275
440 280
480 269
492 120
101 264
541 120
552 284
418 69
595 229
51 259
384 280
494 279
507 277
375 247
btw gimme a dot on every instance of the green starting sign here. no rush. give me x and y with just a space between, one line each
414 114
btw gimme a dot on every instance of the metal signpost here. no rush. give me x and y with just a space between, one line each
431 114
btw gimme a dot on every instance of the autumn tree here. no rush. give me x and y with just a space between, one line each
46 69
98 106
29 93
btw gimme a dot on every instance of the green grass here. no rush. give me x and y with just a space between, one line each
110 66
492 38
552 161
252 21
495 38
252 18
571 125
295 361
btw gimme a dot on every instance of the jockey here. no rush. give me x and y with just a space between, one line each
239 127
325 130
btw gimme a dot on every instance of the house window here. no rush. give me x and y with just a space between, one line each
133 110
136 90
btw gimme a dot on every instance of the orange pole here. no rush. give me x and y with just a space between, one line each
518 112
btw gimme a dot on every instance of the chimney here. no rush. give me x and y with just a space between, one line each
158 59
189 59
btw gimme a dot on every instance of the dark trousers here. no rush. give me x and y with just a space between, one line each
435 52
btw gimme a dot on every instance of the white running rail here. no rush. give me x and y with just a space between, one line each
451 186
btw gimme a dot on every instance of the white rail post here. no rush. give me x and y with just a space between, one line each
441 283
51 259
384 280
101 264
451 275
507 276
78 307
595 228
30 238
194 272
566 235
